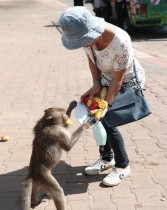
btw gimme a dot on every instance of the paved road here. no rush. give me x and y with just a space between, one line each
36 73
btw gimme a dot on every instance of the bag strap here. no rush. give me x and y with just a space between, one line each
95 60
137 78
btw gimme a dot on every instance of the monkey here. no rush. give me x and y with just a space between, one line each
50 138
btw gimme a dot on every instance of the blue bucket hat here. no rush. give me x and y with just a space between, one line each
79 27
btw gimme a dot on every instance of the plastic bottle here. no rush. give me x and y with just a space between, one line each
99 133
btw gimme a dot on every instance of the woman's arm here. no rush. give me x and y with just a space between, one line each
115 85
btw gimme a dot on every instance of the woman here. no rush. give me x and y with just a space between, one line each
114 54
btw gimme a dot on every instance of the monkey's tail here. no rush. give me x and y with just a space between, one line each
26 194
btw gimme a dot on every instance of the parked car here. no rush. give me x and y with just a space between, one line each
139 13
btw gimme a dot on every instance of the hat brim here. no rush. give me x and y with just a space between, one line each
97 29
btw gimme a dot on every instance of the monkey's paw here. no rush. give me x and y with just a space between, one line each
90 122
73 104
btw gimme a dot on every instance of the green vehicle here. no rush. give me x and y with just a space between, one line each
139 13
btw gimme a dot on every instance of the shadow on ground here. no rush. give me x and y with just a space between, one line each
73 180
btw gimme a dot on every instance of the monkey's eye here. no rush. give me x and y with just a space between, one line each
49 118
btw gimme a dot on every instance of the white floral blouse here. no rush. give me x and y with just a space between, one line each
116 56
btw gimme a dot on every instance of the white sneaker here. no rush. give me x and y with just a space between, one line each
99 166
116 176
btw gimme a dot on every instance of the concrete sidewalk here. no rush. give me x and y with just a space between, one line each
37 72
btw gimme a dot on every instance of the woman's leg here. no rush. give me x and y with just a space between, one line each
121 169
104 162
116 142
106 152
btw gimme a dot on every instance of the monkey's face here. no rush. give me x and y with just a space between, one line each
56 116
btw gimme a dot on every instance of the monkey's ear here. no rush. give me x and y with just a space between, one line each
47 110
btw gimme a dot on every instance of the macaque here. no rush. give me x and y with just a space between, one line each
50 138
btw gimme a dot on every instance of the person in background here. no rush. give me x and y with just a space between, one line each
102 8
122 11
114 53
78 3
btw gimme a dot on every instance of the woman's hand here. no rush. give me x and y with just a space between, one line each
95 89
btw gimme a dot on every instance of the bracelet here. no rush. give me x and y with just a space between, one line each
109 106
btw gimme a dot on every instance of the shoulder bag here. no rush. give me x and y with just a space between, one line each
128 106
